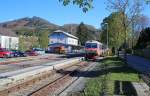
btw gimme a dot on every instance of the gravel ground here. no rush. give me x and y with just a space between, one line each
32 88
38 85
79 84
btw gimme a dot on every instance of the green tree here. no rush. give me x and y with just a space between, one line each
84 4
83 34
21 43
43 39
144 39
112 24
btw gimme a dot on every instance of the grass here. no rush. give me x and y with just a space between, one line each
111 69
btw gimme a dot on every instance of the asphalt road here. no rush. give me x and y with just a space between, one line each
139 63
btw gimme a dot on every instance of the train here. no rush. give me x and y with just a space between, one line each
93 49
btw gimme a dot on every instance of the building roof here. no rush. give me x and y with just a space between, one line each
70 35
7 32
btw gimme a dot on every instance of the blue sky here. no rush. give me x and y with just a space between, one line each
54 12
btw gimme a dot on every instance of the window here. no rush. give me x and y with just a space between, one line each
91 45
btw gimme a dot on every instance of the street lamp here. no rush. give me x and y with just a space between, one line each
107 34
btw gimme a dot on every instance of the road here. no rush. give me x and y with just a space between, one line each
139 63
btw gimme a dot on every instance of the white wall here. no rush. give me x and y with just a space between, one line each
57 40
67 40
14 43
72 41
9 42
61 38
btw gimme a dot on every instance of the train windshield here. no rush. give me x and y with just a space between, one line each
91 45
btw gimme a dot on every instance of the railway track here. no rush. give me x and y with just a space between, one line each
31 80
57 86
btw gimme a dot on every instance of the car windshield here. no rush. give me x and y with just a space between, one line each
91 45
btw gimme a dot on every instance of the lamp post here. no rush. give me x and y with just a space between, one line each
107 34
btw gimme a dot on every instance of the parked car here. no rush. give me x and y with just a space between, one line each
31 53
5 53
40 51
18 53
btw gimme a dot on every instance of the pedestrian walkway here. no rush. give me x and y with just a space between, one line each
143 65
139 63
141 88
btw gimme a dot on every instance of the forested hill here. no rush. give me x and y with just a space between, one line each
28 24
34 22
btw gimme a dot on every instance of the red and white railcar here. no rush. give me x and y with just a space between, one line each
93 49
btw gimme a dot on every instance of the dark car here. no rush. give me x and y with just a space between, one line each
18 53
5 53
31 53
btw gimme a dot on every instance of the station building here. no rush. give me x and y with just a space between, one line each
61 41
8 39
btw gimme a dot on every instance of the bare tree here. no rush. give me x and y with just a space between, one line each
137 26
130 10
142 22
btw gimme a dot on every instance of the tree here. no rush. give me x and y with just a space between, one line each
84 4
83 33
144 39
87 4
130 11
112 24
141 23
21 43
43 39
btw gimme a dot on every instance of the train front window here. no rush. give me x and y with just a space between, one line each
94 45
91 45
88 45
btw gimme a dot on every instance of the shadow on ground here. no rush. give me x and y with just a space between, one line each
124 88
96 73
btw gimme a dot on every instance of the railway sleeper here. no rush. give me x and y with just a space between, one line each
56 87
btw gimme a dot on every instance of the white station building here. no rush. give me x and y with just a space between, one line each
61 38
8 39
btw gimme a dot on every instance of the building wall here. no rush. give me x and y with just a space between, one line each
61 38
72 41
57 38
9 42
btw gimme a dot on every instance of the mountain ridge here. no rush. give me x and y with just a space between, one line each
38 22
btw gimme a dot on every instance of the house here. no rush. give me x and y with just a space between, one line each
8 39
62 40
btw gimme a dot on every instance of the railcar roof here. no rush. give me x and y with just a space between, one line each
94 41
